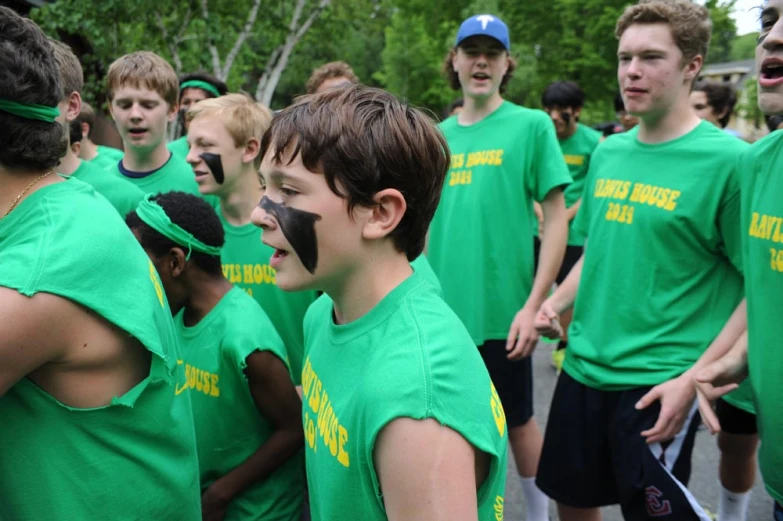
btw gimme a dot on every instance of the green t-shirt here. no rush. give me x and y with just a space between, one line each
107 156
245 262
481 241
409 357
174 175
179 146
124 196
577 150
422 266
762 249
135 458
660 275
229 428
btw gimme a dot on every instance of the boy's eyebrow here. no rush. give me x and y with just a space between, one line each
280 176
768 11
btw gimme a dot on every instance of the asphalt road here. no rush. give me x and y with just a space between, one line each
704 478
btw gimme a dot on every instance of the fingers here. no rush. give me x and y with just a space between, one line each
513 332
652 395
667 426
708 415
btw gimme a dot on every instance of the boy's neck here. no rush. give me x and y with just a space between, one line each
14 183
367 286
245 194
89 150
672 124
69 163
476 109
205 295
143 161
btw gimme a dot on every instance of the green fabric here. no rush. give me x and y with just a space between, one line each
577 151
199 84
245 262
229 428
30 110
660 275
481 243
179 147
112 153
742 397
409 357
156 218
175 175
422 266
762 215
136 458
122 195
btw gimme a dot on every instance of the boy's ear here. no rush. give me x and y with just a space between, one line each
252 149
74 106
176 261
172 115
385 216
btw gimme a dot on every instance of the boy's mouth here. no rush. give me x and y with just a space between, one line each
136 132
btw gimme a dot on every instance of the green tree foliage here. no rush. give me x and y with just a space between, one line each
744 47
724 30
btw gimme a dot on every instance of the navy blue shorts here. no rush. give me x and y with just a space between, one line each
594 455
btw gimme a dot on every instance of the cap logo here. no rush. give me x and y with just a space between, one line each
485 19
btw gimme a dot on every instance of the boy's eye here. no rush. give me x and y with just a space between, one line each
288 192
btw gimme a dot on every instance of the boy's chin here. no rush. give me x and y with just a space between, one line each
290 282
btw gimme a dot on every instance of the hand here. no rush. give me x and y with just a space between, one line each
214 503
547 322
676 397
715 380
522 336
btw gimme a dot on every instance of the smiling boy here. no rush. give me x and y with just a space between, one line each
661 204
401 419
142 90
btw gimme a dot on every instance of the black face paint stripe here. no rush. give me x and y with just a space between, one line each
566 117
215 165
298 226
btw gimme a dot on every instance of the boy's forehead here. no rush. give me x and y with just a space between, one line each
647 37
141 92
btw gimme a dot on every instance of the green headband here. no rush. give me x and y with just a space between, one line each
29 110
155 216
198 84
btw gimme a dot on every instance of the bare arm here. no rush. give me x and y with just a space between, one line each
572 210
427 472
29 333
522 336
721 377
277 401
726 339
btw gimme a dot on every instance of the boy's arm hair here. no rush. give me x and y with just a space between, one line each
427 472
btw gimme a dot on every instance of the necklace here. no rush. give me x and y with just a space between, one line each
19 197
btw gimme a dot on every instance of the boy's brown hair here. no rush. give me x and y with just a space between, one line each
453 78
688 21
328 71
144 69
241 115
364 140
70 69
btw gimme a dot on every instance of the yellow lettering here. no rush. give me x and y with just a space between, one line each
655 196
645 193
754 225
315 399
599 186
342 456
664 197
637 192
333 424
156 284
190 374
499 504
207 387
248 269
215 391
497 410
763 227
672 203
500 157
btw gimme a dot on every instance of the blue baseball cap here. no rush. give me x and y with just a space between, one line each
487 25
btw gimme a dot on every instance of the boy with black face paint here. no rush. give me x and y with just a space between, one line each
481 241
192 89
245 408
401 419
563 101
225 136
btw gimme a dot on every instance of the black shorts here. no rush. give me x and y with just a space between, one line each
777 512
734 420
594 455
513 381
572 255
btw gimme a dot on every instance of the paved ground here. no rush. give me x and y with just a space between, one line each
704 480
